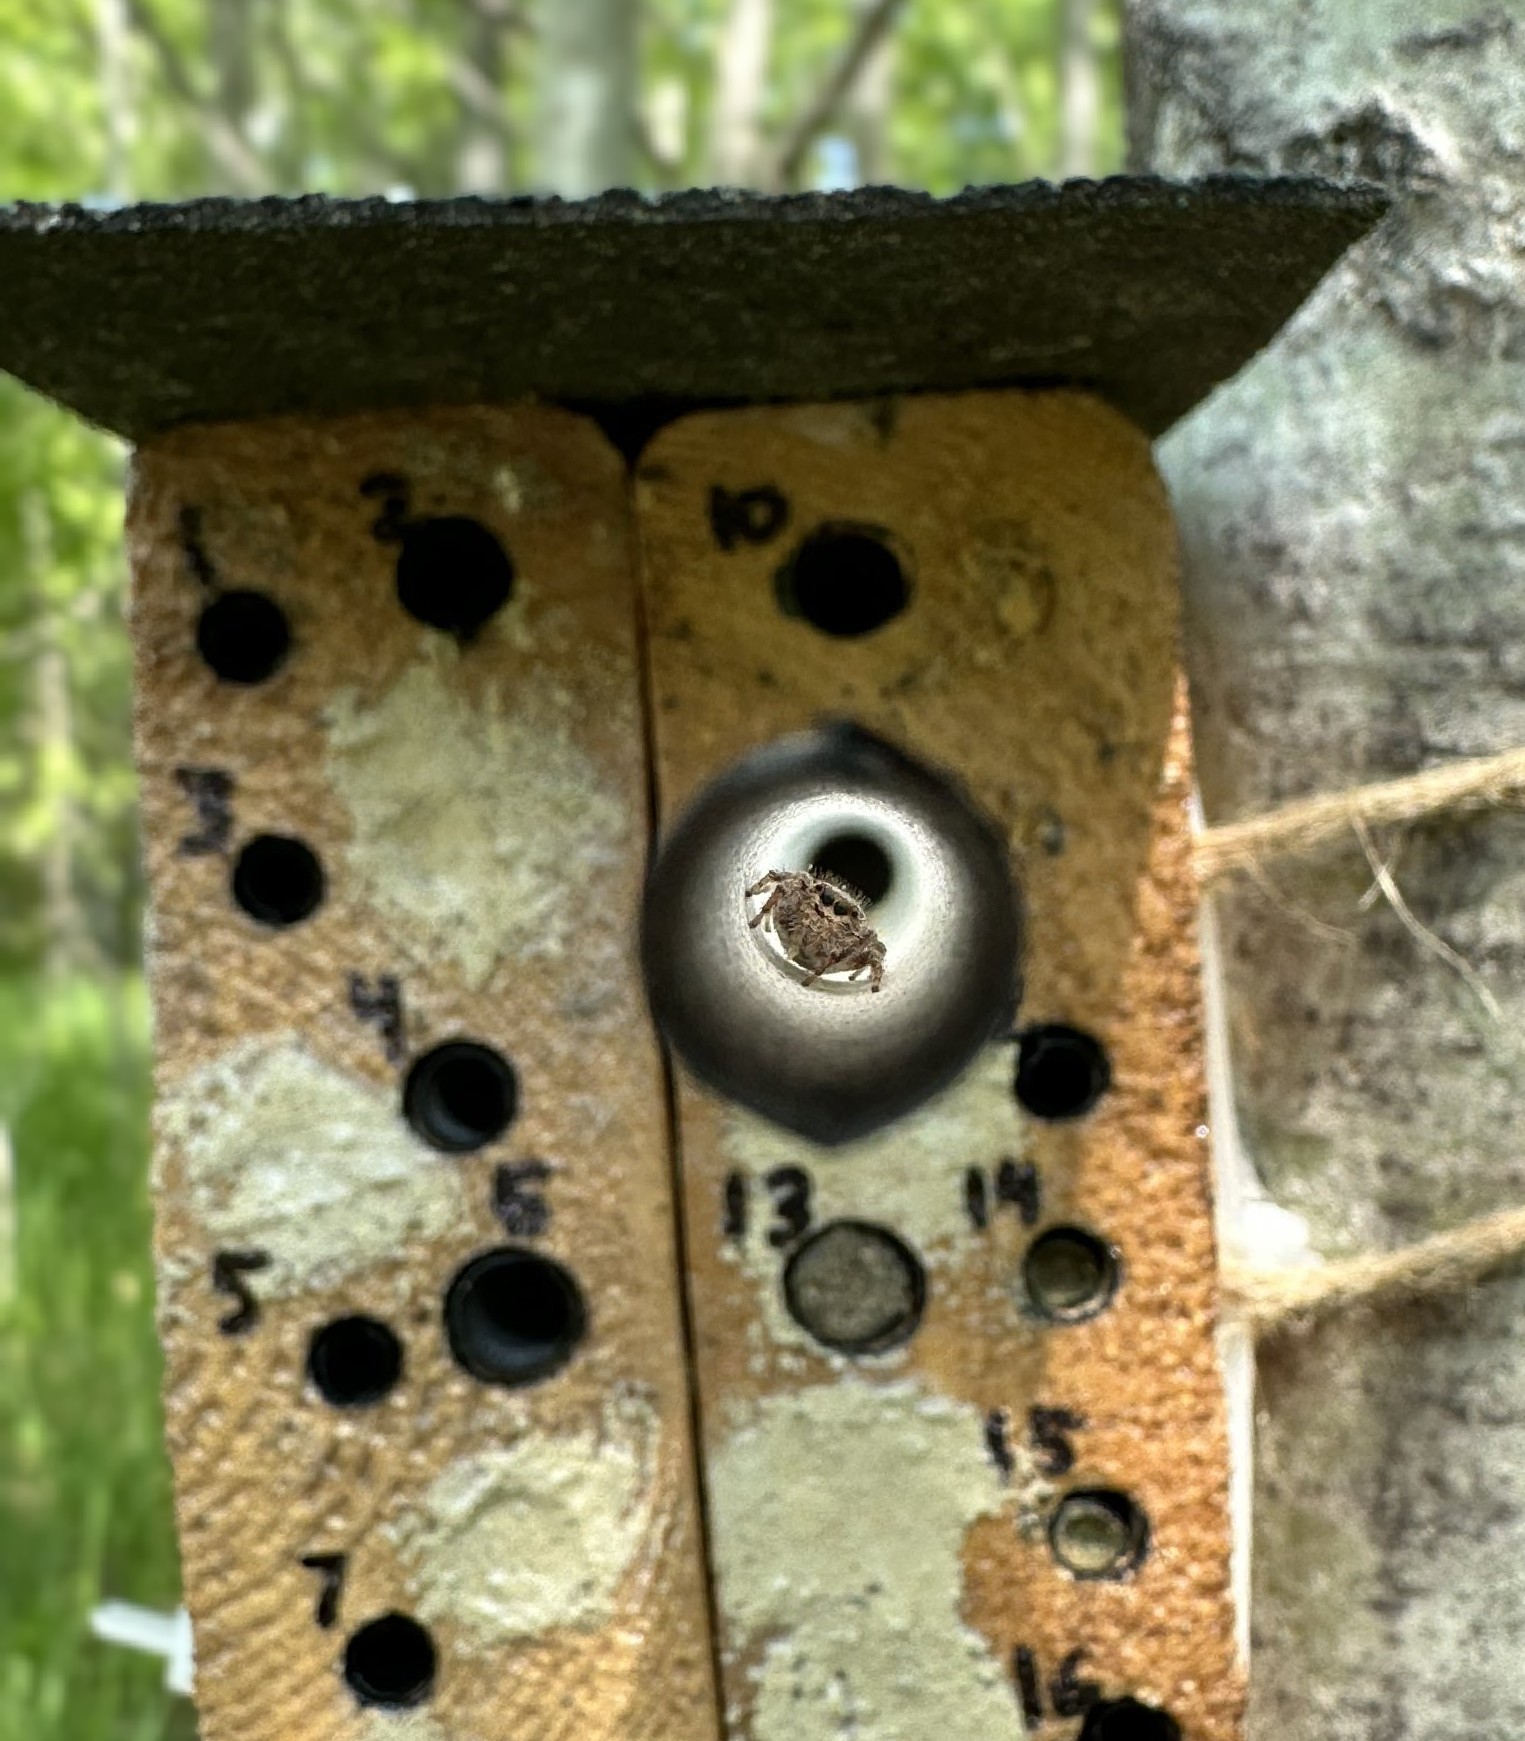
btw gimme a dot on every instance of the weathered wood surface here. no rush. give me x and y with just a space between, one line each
1350 515
480 813
877 1572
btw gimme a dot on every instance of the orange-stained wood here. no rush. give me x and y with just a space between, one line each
882 1526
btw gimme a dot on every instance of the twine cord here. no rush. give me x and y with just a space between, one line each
1273 1299
1484 783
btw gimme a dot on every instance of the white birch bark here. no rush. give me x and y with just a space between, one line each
588 75
1353 521
741 82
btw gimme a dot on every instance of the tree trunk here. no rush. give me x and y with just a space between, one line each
1355 574
1079 89
588 73
112 38
479 72
741 81
866 110
231 48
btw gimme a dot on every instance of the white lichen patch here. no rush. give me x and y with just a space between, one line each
909 1176
477 828
838 1517
539 1533
391 1725
288 1155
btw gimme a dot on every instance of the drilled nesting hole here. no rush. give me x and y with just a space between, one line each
855 1287
390 1661
277 880
845 580
460 1096
1128 1720
354 1361
857 860
453 574
514 1317
1069 1274
1097 1532
1061 1072
243 636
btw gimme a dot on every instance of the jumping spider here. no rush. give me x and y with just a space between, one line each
821 924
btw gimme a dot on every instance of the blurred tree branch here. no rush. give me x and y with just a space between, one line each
819 112
237 159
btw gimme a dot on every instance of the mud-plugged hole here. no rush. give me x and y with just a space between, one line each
1068 1275
1097 1532
855 1287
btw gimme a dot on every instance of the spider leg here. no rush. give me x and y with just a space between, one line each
866 961
767 907
842 958
763 881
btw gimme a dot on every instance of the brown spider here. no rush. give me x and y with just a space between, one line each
821 925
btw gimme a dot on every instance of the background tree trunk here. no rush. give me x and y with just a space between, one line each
111 34
1079 89
866 109
1351 520
741 83
589 95
479 78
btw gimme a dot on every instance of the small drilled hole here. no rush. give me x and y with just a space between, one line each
1096 1532
1128 1720
845 580
856 860
277 880
1061 1072
354 1361
390 1661
855 1287
453 574
243 636
1069 1274
460 1096
513 1317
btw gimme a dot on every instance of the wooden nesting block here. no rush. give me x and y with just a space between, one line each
417 1275
962 1428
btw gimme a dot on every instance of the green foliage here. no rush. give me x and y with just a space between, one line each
84 1482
